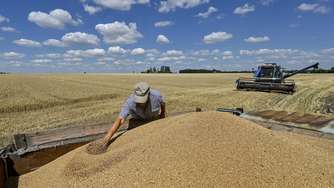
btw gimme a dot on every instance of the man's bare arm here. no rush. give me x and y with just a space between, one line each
119 121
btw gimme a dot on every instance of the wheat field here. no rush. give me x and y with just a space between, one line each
34 102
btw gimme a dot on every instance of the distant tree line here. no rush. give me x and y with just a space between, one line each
331 70
199 71
211 71
163 69
4 72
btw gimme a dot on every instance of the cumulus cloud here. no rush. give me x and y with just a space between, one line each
163 23
116 50
227 55
12 55
80 38
74 38
119 32
73 59
3 19
120 4
260 52
138 51
257 39
216 37
171 5
54 42
207 55
49 56
315 8
91 9
27 43
291 57
246 8
96 52
328 51
266 2
56 19
206 14
162 39
173 53
41 61
8 29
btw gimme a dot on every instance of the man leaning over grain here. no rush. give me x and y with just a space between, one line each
143 106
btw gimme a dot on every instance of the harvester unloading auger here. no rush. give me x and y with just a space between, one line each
271 78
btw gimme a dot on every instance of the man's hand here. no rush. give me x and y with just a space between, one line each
97 147
162 115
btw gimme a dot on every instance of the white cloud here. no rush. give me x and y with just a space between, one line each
201 53
120 4
106 59
49 56
80 38
96 52
27 43
116 50
227 55
173 58
92 9
12 55
173 53
266 2
56 19
8 29
171 5
206 14
207 55
163 23
216 37
315 8
119 32
54 42
73 39
328 51
162 39
3 19
290 57
41 61
260 52
246 8
138 51
257 39
73 59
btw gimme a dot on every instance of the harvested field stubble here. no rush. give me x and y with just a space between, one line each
202 149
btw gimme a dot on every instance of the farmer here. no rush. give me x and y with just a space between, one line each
143 106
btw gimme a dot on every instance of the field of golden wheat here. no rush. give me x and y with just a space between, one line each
33 102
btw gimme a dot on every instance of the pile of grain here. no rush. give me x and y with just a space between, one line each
203 149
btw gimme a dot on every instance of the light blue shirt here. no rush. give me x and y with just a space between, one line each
149 113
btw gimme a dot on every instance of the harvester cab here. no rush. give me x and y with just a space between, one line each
271 78
269 72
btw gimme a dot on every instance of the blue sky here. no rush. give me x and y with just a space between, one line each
132 35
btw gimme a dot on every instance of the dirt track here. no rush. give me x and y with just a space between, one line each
203 149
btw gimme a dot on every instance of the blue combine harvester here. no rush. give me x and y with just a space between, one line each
270 77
